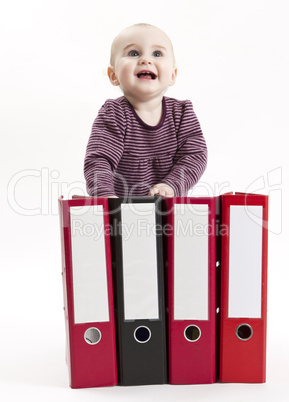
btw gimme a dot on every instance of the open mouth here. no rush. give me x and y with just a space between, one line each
147 75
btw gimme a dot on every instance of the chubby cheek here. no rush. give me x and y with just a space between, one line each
126 70
168 75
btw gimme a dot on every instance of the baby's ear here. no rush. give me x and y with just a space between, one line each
174 76
112 76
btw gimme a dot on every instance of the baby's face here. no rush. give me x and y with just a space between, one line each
142 63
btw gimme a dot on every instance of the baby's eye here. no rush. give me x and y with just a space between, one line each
157 53
133 53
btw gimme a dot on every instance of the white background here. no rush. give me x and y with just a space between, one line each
232 61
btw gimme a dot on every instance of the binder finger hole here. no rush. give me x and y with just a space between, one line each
192 333
244 332
92 336
142 334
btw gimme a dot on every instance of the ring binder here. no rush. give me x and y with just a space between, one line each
191 275
139 289
244 288
88 293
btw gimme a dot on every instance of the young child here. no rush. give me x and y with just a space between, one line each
144 143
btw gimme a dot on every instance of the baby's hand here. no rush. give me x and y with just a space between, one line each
161 189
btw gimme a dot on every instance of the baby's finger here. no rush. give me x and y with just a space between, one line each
153 191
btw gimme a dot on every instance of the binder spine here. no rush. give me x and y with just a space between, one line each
191 254
88 294
65 255
140 327
244 288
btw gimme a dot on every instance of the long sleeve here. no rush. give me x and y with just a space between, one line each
103 152
191 156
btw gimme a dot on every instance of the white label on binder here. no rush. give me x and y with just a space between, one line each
90 292
245 261
140 271
191 270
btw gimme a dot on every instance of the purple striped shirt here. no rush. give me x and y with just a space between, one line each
127 157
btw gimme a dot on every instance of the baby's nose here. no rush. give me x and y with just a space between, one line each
145 61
